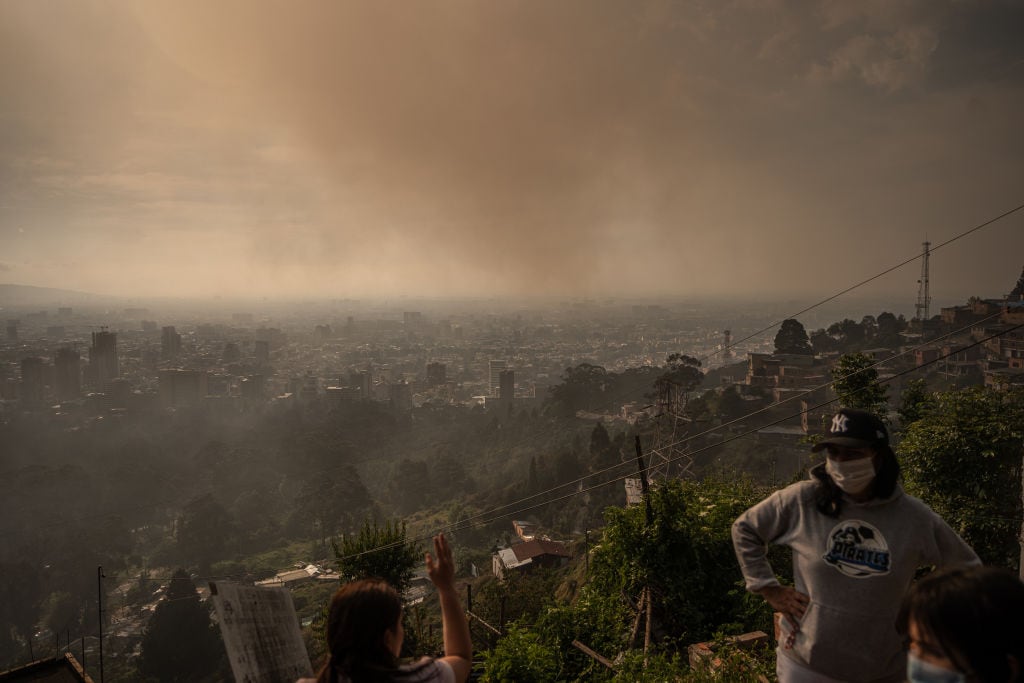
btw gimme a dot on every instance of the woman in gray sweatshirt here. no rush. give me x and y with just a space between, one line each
857 541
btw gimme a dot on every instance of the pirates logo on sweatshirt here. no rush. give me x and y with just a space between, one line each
857 549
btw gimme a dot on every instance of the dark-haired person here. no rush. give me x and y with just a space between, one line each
364 632
857 541
965 625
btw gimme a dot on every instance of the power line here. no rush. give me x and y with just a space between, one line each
463 524
726 424
961 235
888 270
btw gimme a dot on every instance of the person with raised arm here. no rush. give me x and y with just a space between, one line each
365 633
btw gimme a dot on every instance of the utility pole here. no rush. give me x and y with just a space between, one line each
645 596
644 486
1020 539
99 612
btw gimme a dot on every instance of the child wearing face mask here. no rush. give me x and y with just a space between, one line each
857 541
965 625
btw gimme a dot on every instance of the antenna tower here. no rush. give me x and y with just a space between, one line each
924 299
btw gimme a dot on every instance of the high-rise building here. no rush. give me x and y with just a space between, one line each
68 374
507 385
495 368
170 343
400 395
103 358
33 381
12 330
262 352
436 374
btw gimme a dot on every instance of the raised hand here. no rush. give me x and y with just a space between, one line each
441 571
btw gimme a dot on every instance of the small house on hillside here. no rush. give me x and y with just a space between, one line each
524 557
292 577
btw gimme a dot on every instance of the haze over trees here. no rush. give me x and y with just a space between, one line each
247 495
181 643
792 338
855 381
962 456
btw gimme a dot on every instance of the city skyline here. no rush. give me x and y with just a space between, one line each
509 149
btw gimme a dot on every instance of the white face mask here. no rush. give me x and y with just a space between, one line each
852 476
920 671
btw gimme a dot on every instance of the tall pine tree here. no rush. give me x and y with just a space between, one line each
180 644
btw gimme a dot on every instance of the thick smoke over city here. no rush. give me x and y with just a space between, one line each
286 289
503 148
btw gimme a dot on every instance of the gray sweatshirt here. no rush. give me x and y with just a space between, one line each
855 568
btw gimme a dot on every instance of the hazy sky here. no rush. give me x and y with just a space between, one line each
502 147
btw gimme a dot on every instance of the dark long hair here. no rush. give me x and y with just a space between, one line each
828 497
360 615
974 615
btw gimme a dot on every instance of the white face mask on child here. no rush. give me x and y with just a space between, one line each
920 671
852 476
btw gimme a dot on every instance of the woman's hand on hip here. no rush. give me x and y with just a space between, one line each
787 600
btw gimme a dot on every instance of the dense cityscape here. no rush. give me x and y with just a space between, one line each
511 341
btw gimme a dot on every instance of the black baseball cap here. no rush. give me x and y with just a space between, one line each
854 428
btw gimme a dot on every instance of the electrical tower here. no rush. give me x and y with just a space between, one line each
924 299
668 451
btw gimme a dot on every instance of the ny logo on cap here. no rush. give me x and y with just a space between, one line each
839 423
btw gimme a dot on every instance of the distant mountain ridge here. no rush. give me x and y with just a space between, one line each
29 295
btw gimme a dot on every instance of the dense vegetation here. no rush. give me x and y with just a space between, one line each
241 496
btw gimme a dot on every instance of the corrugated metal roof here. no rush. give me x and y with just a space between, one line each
538 547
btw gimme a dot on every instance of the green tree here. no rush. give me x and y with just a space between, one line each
857 386
848 334
582 388
520 597
378 551
180 643
602 452
682 375
685 557
204 532
328 504
20 594
1018 289
521 656
595 618
408 485
914 402
822 342
730 403
963 458
889 328
792 338
533 483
